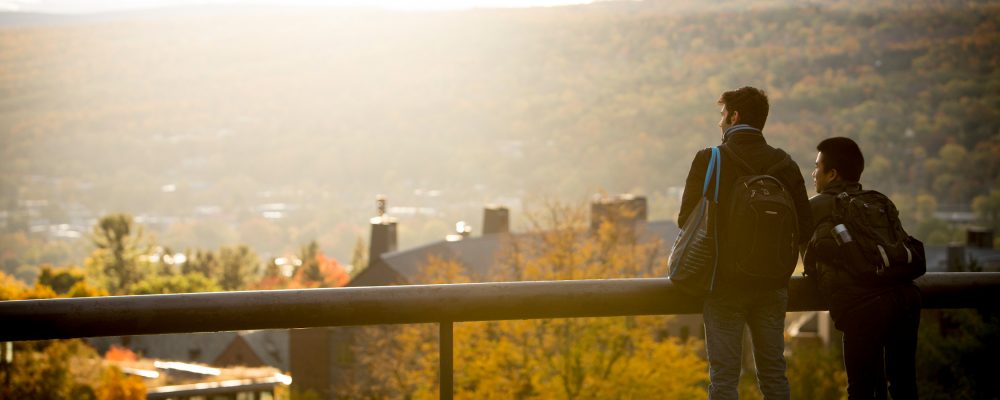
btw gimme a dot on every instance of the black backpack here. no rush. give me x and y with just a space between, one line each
880 252
762 228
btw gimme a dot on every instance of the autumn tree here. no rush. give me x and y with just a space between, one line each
573 358
64 369
116 386
318 270
44 370
13 289
58 369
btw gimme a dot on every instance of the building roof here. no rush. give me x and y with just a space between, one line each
986 259
479 254
271 346
171 379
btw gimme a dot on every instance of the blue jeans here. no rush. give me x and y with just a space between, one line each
725 316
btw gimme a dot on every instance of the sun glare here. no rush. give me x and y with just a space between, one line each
432 5
86 6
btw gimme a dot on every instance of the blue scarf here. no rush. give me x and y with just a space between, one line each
735 128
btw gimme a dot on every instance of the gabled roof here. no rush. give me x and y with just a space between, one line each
190 347
271 346
477 254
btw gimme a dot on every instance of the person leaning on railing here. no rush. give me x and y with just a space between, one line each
737 302
876 319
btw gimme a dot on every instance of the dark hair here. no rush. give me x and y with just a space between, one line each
750 102
843 155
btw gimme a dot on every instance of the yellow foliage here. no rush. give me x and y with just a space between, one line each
577 358
816 372
10 287
58 369
13 289
83 289
116 386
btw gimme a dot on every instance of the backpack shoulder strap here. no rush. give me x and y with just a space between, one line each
714 165
842 199
837 202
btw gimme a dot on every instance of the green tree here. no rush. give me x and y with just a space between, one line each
61 280
239 265
186 283
359 256
272 269
310 268
816 372
204 262
119 245
987 207
956 354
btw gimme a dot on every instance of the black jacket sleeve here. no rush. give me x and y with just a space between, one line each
693 185
821 246
802 208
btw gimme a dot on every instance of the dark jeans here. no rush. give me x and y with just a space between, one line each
880 344
726 315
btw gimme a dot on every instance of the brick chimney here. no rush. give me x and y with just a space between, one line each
625 209
496 219
956 257
309 360
979 237
383 238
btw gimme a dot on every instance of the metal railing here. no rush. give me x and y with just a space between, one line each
441 304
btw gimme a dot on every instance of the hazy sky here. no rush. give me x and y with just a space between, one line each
88 6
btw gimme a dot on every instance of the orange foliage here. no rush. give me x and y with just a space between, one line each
116 353
332 272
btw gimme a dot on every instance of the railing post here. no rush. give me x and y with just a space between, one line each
446 359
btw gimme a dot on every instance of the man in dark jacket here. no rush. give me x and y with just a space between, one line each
736 303
875 319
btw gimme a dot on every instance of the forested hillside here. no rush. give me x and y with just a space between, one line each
197 120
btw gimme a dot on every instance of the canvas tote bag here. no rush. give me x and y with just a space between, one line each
694 255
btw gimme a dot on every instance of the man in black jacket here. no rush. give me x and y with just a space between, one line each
875 319
736 303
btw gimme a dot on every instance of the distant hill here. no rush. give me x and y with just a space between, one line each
322 108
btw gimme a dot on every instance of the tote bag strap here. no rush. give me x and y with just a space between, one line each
714 164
